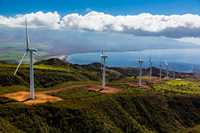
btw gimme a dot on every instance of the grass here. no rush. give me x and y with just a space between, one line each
5 126
76 90
84 111
128 88
136 109
45 75
14 88
40 67
195 129
178 87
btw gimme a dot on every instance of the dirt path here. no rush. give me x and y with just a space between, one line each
41 96
97 88
46 96
56 90
106 90
144 86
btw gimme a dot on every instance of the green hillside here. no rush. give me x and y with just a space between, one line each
159 107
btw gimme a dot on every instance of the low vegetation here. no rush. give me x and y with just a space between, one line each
179 87
157 107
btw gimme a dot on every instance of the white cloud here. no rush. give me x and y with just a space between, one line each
142 24
145 24
38 19
91 21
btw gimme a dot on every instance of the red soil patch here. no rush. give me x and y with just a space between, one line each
23 96
106 90
44 96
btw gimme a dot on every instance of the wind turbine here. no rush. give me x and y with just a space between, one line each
174 72
103 62
160 71
150 68
167 71
140 61
29 51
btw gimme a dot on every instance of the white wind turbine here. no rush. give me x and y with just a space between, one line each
174 73
167 71
140 61
103 62
150 68
29 51
160 71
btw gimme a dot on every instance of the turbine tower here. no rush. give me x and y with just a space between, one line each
167 71
103 62
160 71
174 74
140 61
29 51
150 68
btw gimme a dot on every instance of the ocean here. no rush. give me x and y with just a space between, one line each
183 60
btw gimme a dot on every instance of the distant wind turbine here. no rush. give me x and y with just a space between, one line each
103 62
174 72
167 69
150 68
160 71
140 61
31 52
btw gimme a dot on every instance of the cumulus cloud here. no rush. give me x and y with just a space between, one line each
145 24
35 20
142 24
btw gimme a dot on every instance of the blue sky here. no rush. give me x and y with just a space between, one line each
114 7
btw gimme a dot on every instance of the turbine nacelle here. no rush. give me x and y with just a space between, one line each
32 50
103 56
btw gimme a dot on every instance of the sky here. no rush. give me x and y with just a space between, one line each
141 24
114 7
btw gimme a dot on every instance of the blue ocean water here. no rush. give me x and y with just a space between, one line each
178 59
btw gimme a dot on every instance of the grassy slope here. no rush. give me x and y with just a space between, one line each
195 129
92 112
167 107
45 76
48 76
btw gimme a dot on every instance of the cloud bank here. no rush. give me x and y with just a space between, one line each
145 24
35 20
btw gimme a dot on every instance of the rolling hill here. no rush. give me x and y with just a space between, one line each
156 107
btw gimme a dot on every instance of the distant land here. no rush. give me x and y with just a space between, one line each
68 41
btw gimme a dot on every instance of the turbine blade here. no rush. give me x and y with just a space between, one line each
20 63
27 36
